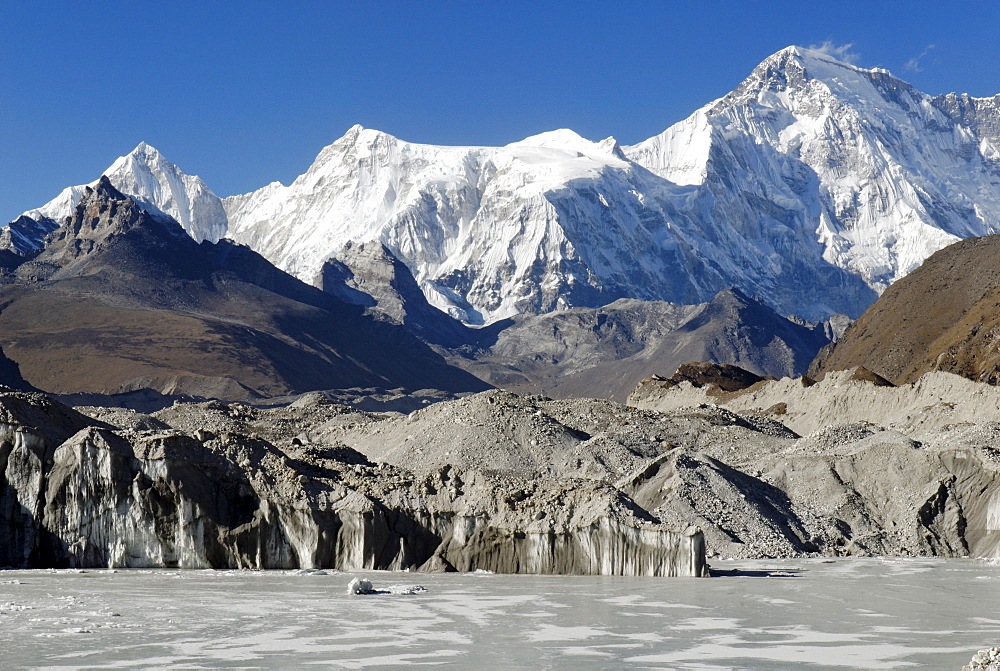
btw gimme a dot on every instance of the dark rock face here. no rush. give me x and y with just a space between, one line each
21 236
943 316
723 376
121 300
10 375
716 377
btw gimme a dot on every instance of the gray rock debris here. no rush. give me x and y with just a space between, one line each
507 483
984 660
881 470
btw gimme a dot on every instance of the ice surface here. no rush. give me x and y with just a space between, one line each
846 613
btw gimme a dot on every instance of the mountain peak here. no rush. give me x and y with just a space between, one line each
794 76
144 148
144 158
563 138
798 64
358 134
111 235
733 295
157 185
105 190
806 56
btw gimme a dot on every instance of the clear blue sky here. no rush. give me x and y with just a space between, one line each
244 93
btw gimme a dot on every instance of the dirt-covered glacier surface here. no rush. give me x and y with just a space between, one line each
847 613
507 483
217 485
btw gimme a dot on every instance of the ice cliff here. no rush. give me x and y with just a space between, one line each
77 492
510 483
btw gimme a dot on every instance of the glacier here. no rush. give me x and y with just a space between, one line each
813 185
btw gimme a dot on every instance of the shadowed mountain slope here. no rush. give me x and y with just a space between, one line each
600 352
120 299
370 275
604 352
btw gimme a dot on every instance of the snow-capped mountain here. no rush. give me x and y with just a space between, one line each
813 185
156 184
877 173
550 222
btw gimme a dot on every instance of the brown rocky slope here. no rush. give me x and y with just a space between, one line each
943 316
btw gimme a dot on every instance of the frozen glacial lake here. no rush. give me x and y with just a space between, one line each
785 614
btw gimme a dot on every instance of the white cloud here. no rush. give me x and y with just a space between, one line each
913 65
842 52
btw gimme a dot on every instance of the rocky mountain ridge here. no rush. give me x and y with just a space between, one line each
943 316
580 352
605 352
120 299
113 262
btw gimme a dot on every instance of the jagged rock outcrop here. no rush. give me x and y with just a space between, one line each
80 492
723 376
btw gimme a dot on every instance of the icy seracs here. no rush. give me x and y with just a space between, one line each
74 492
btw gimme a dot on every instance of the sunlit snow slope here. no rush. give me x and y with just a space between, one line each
814 185
549 222
809 148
